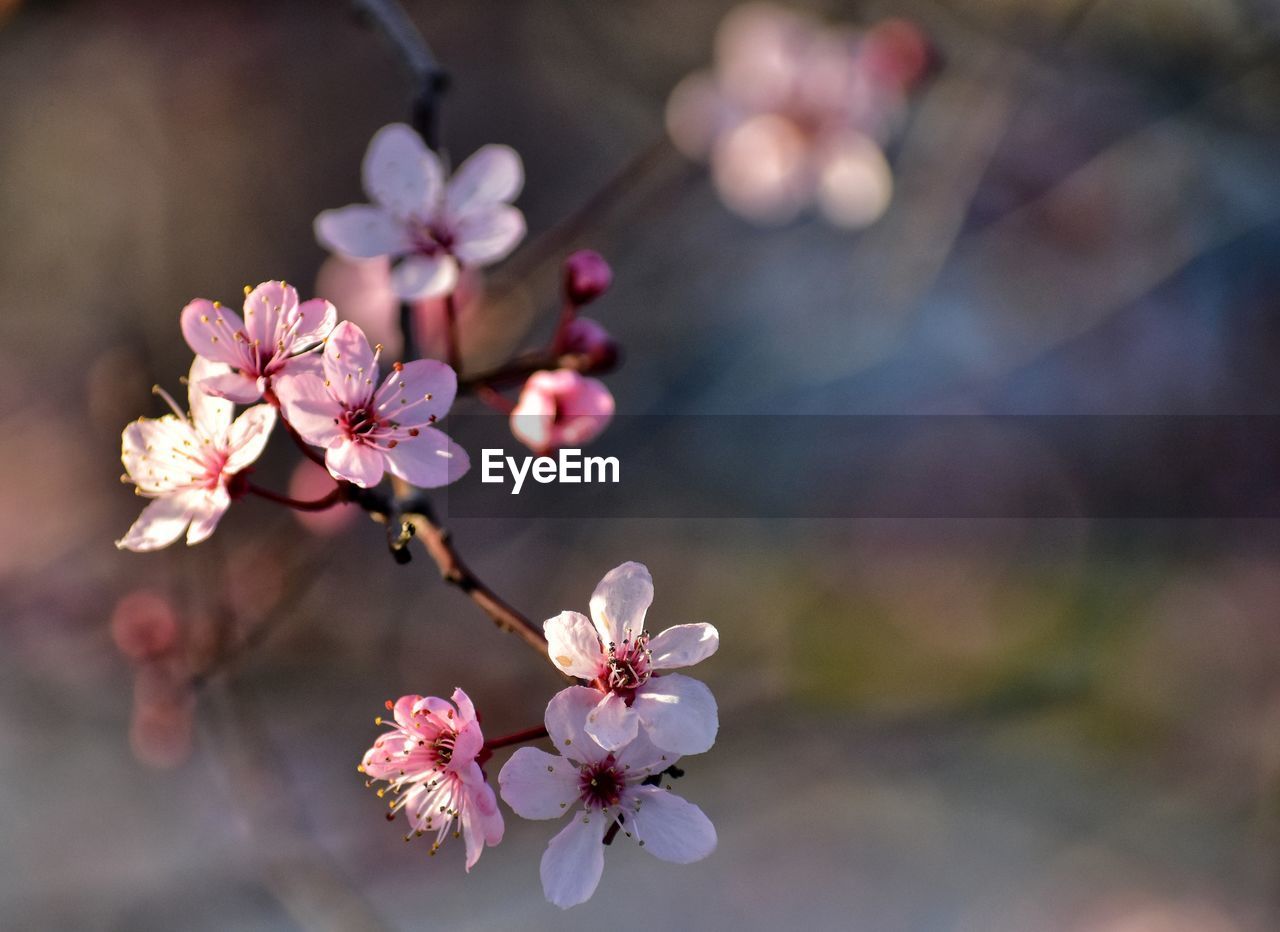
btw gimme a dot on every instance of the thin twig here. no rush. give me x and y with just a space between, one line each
427 78
335 497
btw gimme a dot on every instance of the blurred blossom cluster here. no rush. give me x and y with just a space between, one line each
797 113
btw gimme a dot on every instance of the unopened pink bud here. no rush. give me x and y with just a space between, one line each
586 276
586 337
144 625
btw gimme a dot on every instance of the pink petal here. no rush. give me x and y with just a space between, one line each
359 231
248 437
308 407
484 236
416 277
642 757
349 365
401 174
210 331
420 393
466 708
160 524
683 646
429 460
233 386
210 415
620 601
467 743
266 308
538 785
480 818
671 828
574 646
611 723
566 719
574 860
493 174
679 714
355 462
209 509
318 317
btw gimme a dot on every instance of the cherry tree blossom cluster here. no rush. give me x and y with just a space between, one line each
283 365
797 112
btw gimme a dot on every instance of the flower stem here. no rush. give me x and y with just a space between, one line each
517 737
335 497
453 355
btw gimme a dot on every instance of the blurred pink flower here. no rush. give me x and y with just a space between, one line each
362 288
273 338
366 431
795 112
185 462
431 226
429 763
598 788
562 408
144 625
309 482
613 651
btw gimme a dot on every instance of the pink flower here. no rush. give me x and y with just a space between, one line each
184 463
623 663
367 428
429 225
560 409
429 763
273 339
795 113
598 789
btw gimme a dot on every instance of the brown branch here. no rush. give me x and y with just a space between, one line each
453 570
515 371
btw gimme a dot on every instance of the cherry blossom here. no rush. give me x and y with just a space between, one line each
560 408
598 789
368 428
431 226
428 760
185 462
275 338
795 112
615 654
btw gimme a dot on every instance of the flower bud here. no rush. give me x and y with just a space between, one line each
586 276
586 337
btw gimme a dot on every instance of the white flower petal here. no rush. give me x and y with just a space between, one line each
670 827
210 415
620 601
361 231
401 174
538 785
208 511
487 235
566 719
574 860
683 646
160 524
612 724
573 645
492 175
678 713
248 437
416 277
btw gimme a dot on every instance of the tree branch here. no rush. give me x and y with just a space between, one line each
427 78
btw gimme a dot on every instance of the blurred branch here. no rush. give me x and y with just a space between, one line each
428 79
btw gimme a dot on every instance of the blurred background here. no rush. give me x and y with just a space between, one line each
988 724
